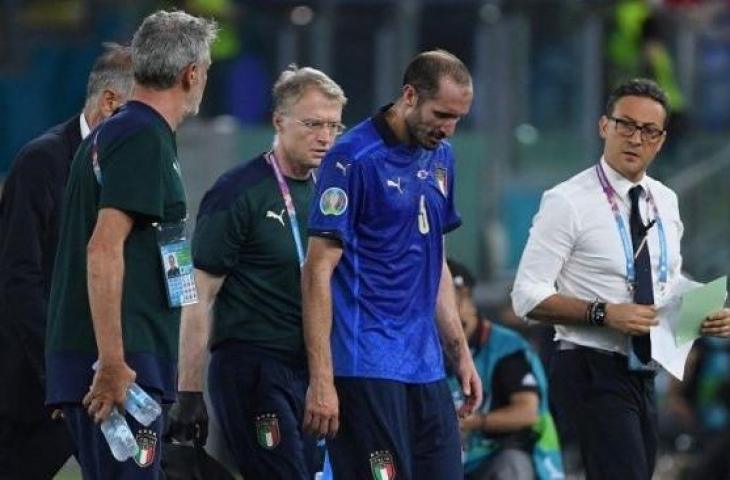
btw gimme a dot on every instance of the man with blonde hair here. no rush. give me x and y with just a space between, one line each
248 249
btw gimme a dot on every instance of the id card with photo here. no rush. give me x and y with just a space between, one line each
177 264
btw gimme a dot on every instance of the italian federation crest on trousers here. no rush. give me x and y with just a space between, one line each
267 430
147 441
382 465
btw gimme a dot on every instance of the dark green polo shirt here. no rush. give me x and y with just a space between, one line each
140 176
243 231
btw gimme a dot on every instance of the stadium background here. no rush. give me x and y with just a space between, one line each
541 71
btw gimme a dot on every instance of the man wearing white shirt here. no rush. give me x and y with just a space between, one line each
32 444
602 250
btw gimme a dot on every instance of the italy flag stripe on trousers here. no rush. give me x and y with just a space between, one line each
383 473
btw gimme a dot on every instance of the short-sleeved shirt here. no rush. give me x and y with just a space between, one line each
140 176
389 204
243 231
512 374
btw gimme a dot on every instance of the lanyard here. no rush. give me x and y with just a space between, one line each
289 204
625 239
95 156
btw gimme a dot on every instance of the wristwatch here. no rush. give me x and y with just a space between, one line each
598 314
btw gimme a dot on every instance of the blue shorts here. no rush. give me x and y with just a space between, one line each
259 402
390 429
95 457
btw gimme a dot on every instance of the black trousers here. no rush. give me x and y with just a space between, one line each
610 410
32 445
34 450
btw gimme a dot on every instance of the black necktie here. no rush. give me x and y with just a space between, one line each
643 288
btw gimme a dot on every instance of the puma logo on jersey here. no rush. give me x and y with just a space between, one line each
529 380
341 166
280 216
396 185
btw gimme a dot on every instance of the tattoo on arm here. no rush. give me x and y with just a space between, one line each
453 350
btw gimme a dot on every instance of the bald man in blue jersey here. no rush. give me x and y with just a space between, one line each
378 299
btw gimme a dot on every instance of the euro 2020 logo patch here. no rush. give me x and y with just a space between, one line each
147 441
267 430
333 201
382 465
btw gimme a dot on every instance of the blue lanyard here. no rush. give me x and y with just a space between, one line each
289 204
625 238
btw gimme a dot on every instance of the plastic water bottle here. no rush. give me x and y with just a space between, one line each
141 406
119 436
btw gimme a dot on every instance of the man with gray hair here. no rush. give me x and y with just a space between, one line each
32 444
248 249
125 210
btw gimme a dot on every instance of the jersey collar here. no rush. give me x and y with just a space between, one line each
383 129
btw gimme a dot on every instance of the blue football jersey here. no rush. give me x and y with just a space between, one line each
389 205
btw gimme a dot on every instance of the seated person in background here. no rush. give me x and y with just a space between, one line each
512 435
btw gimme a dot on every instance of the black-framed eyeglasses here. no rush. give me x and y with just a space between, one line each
627 128
334 128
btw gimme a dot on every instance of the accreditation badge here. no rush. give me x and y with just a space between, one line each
177 264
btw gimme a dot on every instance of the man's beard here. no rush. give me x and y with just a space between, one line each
421 137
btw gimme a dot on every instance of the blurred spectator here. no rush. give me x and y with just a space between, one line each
708 387
512 436
223 52
624 40
656 63
701 406
637 48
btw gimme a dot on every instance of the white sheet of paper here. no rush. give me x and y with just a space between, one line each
663 346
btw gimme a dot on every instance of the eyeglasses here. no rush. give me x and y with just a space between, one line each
334 128
627 128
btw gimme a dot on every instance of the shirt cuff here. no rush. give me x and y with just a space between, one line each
526 297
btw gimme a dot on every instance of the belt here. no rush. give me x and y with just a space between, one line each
565 345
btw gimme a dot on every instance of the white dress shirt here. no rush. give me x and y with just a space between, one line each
85 130
575 249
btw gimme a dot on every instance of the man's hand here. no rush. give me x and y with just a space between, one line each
471 384
470 423
188 419
321 411
631 318
108 389
717 324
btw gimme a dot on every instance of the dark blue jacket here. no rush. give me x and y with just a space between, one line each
30 212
